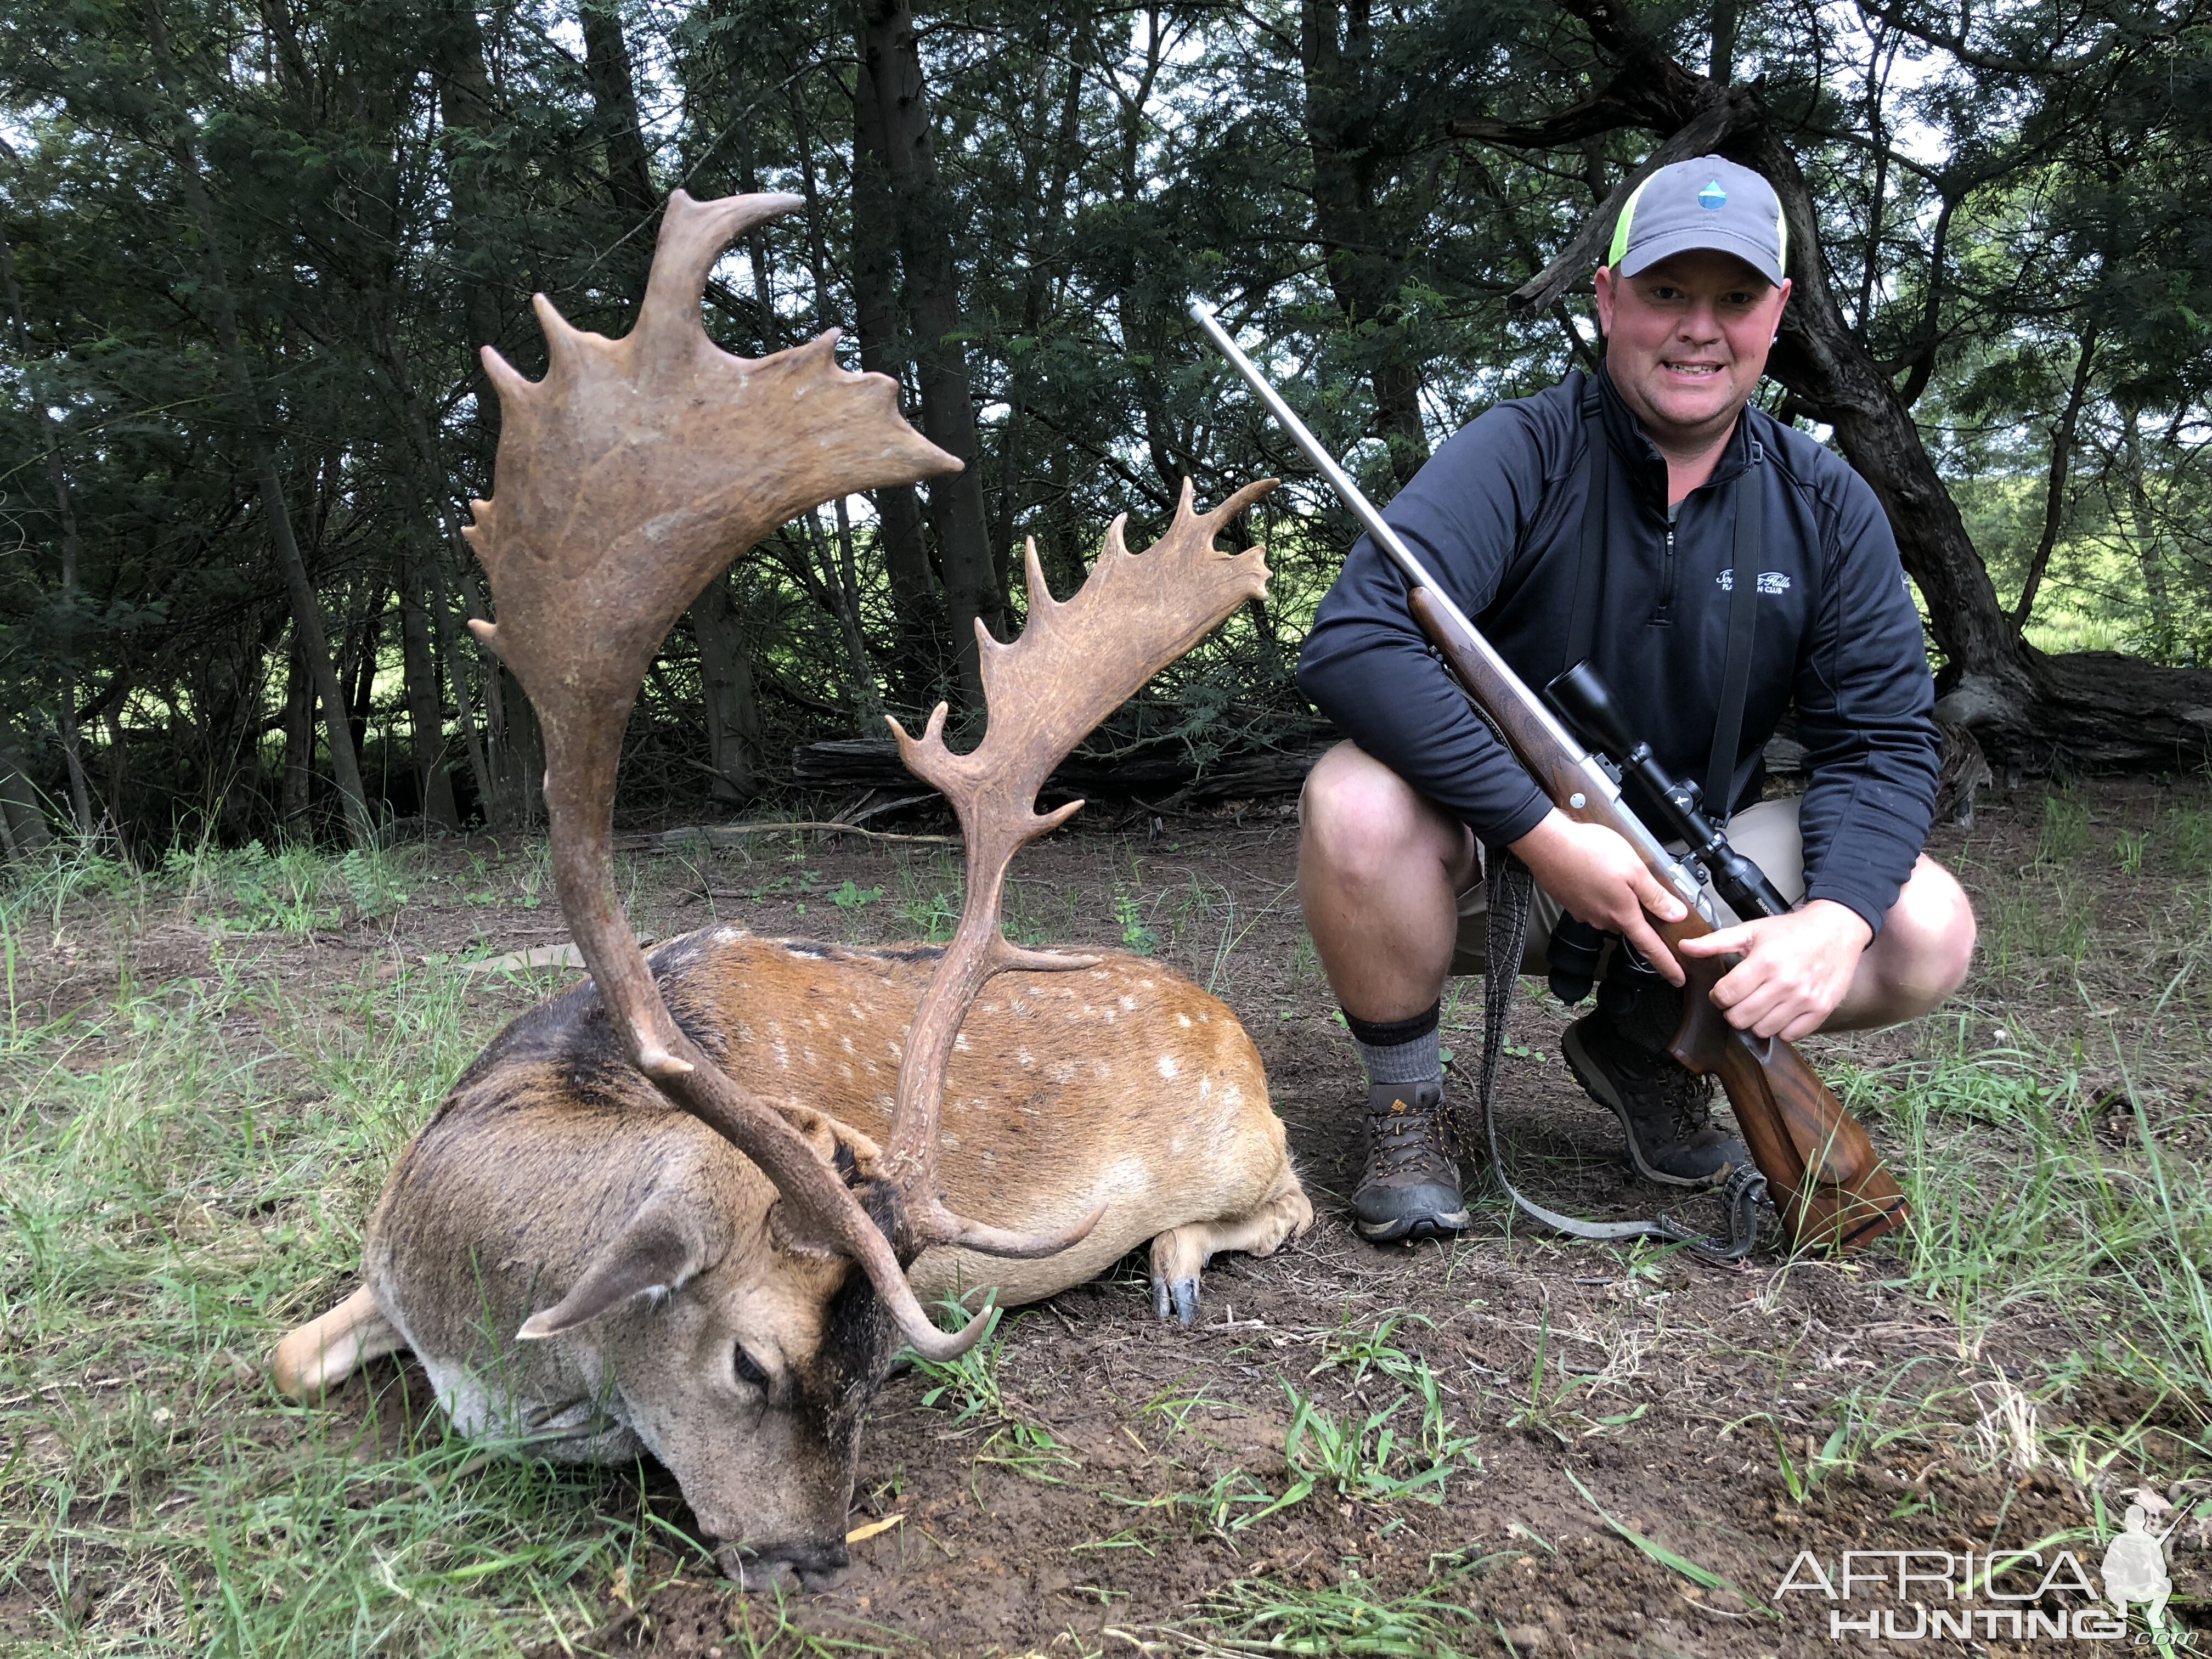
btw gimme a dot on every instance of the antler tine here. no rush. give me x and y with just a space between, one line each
628 478
1074 664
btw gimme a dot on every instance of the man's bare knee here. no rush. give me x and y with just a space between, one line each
1363 822
1930 935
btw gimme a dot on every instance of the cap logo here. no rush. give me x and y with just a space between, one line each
1712 198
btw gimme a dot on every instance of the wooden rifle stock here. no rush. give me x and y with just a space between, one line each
1822 1171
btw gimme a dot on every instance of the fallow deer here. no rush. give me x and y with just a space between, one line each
697 1206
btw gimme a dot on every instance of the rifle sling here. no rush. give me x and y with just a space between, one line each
1510 891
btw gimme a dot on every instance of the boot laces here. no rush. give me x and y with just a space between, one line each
1680 1095
1411 1141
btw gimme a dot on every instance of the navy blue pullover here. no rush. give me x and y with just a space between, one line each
1497 516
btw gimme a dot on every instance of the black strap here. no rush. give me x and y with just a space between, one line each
1509 891
1597 473
1742 627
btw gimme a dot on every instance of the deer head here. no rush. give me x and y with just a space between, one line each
626 478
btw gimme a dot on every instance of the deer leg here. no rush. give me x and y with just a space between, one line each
1180 1253
323 1353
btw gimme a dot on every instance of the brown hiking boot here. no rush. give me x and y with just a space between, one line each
1666 1110
1409 1187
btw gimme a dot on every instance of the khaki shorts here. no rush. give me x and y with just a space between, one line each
1765 832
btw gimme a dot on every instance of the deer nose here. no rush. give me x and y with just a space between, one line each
804 1564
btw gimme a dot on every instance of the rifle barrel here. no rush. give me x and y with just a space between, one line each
1593 780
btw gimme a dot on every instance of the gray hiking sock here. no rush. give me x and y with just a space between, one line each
1399 1050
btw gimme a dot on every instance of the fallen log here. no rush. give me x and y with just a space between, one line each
865 763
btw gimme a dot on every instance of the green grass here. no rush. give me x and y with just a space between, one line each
1351 1618
185 1168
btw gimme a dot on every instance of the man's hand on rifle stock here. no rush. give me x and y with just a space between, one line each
1598 878
1794 967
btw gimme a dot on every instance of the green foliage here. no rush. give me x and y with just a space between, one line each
379 187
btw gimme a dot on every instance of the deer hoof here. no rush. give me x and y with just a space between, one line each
1179 1295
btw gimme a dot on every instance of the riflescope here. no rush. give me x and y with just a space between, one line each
1582 699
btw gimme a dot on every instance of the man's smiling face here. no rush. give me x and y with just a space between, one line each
1686 341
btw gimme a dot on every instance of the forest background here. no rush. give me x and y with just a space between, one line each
249 251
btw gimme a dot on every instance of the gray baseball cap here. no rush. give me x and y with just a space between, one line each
1704 203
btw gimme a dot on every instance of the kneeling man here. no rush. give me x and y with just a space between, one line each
1615 518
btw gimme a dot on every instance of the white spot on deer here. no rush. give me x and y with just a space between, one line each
987 1007
960 1044
949 1143
845 1072
853 1009
1144 984
783 1056
1129 1005
1232 1096
989 1158
1168 1066
1098 973
1060 1071
1108 1013
744 1033
728 935
846 1043
1100 1068
1204 1088
894 1049
1183 1020
1205 1019
1026 1058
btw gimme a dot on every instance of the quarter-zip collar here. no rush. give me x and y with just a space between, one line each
1639 462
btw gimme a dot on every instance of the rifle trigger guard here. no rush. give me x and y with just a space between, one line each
1744 1194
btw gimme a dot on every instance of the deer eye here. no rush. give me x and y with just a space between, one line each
742 1363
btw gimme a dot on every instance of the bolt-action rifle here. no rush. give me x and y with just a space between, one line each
1822 1171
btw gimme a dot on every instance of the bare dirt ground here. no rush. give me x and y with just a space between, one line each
1636 1446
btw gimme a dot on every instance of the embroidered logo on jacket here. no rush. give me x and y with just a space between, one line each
1769 581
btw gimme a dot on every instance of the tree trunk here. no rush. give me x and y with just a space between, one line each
614 102
65 521
725 682
2148 554
1035 283
293 799
426 717
1365 265
2054 500
918 659
468 105
21 817
368 643
921 215
306 614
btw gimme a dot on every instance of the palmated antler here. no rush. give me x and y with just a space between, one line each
628 477
1073 665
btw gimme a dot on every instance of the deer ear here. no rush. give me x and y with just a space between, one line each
837 1143
661 1246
